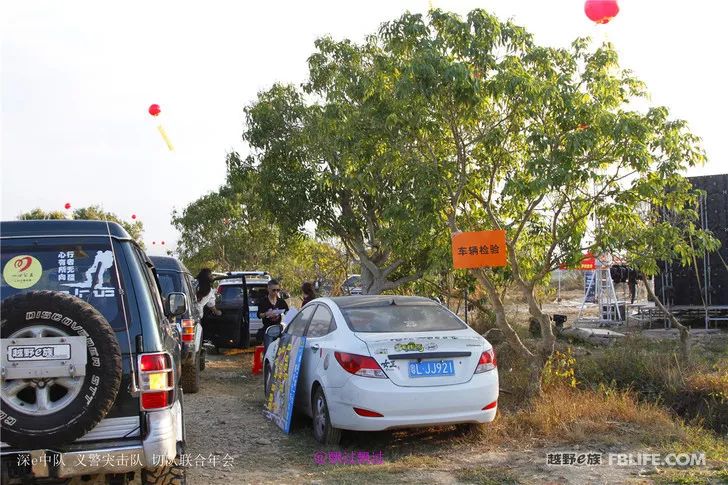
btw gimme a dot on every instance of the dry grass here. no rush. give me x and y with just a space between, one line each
576 416
486 475
386 472
675 476
714 384
604 416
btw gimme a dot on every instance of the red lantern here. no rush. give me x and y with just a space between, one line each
154 110
601 11
154 242
133 216
67 206
162 243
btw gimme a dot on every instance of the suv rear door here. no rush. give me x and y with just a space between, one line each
231 329
57 256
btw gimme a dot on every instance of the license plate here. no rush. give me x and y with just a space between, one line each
431 369
253 315
31 353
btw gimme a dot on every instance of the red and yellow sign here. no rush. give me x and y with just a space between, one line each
479 249
588 263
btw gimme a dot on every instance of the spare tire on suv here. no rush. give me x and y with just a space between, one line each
56 410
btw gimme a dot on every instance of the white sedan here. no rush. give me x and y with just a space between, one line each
372 363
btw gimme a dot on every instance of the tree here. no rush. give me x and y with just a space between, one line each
228 229
327 155
532 140
91 213
308 259
664 230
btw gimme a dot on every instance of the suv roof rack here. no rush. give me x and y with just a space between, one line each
248 273
239 274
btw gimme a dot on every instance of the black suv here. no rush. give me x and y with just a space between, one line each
90 361
175 277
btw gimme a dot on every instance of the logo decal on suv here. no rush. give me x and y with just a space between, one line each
94 275
22 272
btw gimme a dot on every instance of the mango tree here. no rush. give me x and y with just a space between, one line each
540 142
326 156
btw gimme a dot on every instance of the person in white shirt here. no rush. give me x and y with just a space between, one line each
205 292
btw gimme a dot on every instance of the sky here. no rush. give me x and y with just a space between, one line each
77 77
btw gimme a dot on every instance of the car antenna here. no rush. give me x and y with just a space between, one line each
134 388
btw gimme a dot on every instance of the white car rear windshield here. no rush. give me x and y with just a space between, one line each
401 318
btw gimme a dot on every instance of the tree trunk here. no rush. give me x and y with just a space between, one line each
514 341
367 278
684 331
535 373
375 283
548 339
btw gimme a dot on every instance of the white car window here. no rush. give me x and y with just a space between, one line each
401 318
298 325
320 323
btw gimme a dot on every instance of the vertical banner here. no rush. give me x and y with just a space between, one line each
479 249
286 367
590 285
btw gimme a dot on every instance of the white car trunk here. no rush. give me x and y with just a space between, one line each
455 353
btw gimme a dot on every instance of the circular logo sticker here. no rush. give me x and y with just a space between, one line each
22 272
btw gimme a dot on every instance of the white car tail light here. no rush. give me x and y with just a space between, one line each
156 379
188 330
367 413
490 406
487 362
360 365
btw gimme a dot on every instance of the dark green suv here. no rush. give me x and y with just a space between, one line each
90 360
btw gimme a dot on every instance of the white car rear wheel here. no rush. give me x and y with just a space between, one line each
322 429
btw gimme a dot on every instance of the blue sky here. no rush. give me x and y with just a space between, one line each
77 78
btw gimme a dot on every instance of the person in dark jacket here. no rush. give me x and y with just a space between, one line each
308 292
271 307
632 278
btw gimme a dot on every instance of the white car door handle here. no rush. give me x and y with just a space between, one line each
315 347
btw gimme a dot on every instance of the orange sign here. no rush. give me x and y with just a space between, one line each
479 249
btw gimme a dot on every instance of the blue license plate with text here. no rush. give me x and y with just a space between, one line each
432 369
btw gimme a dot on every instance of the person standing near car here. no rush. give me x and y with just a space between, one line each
308 292
205 294
271 307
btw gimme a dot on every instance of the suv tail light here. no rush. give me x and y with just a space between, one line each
487 362
156 379
360 365
188 330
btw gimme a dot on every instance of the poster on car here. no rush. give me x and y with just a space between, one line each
282 394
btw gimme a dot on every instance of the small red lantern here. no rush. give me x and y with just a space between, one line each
133 216
67 206
154 242
162 243
601 11
154 110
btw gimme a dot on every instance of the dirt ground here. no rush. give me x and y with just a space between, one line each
229 441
